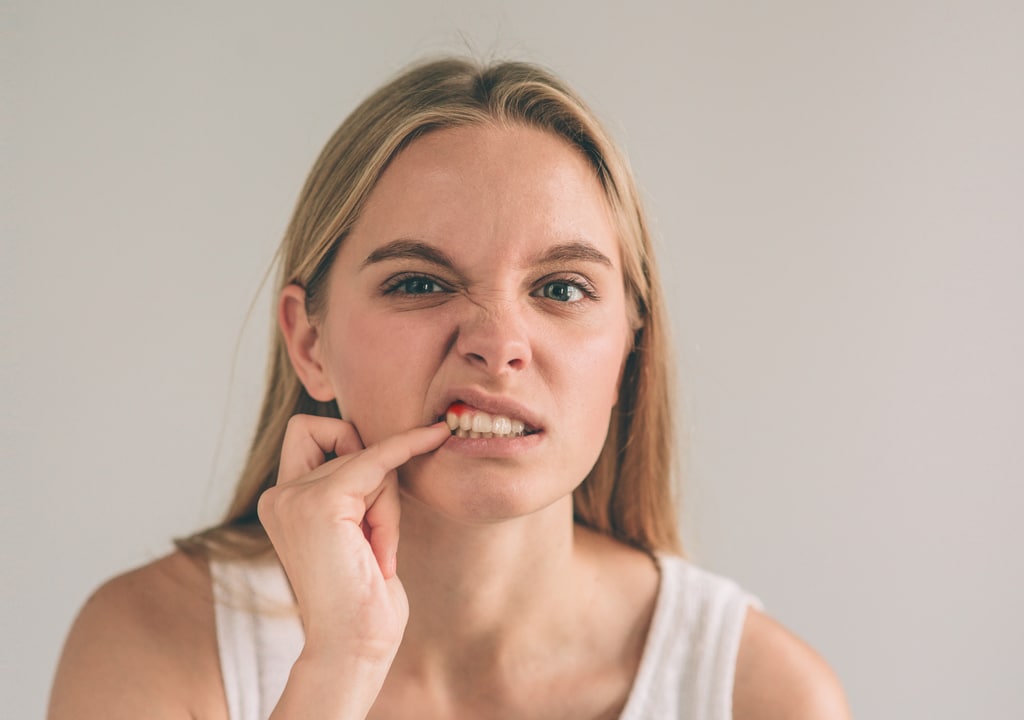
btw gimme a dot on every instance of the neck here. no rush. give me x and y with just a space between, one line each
495 590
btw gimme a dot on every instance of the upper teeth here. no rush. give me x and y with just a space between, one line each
477 423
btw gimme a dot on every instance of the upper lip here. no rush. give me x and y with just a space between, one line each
490 404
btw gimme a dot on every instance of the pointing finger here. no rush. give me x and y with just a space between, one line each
393 452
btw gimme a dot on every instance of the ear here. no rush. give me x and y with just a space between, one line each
305 346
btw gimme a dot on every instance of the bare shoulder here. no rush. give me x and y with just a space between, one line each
780 676
143 645
627 575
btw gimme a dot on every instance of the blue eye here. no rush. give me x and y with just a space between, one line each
562 291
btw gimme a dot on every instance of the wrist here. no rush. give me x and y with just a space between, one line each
331 685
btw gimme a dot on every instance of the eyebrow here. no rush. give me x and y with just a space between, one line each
416 250
575 251
408 250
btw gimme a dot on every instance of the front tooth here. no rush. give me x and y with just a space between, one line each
481 422
501 425
467 422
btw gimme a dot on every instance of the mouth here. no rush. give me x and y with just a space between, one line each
466 421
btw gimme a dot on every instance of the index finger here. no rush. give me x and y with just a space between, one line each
309 438
393 452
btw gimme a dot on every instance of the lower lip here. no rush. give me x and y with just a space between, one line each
493 446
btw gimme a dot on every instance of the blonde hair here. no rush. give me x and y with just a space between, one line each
628 493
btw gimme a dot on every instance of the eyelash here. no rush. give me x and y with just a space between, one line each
394 285
580 283
399 285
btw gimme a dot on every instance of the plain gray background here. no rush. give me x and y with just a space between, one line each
837 192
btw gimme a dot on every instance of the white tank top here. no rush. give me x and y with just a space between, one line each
686 671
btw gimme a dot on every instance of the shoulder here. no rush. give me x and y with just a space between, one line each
144 641
779 676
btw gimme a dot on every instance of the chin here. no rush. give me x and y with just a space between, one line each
483 495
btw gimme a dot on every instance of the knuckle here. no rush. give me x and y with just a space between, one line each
295 422
318 501
266 503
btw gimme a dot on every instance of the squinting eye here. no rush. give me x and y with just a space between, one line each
418 286
562 291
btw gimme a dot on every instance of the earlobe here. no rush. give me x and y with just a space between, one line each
302 338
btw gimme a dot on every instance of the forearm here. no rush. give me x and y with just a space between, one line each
330 688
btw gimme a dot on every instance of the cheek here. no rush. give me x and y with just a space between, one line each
359 358
591 380
376 366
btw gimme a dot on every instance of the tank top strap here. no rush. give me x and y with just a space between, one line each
259 634
689 661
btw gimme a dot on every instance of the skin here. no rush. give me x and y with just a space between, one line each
505 292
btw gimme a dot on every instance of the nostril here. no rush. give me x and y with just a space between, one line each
495 346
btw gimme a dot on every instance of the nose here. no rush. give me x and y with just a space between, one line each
494 337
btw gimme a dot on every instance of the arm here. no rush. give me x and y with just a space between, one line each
778 677
143 645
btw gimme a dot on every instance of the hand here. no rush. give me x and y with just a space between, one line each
334 526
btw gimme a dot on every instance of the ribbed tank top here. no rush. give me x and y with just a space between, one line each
686 670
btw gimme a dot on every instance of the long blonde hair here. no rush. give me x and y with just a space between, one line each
628 493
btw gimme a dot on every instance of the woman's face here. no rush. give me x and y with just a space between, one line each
484 269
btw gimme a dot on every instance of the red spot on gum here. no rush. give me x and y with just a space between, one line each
458 409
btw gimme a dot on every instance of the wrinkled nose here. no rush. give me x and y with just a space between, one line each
494 338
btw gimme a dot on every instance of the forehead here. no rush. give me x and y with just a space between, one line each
486 188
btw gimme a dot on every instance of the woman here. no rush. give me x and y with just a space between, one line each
471 349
